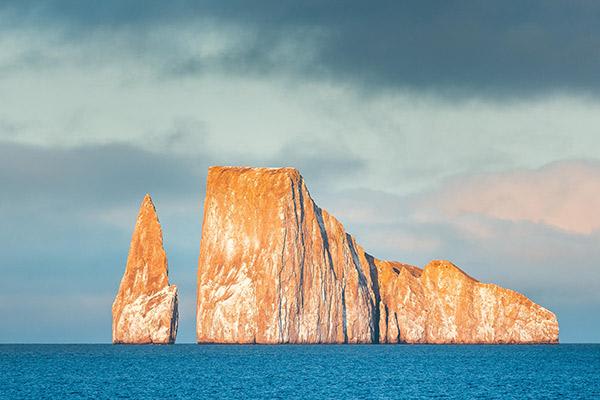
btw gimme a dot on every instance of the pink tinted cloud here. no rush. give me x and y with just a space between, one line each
564 195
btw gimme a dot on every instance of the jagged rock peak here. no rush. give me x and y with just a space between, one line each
276 268
145 308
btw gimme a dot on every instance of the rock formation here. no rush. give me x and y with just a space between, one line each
145 309
442 304
275 268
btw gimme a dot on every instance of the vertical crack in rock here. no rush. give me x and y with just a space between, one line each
386 321
376 310
145 309
398 340
299 234
324 237
344 315
280 319
362 279
275 268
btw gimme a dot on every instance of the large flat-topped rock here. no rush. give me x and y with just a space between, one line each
276 268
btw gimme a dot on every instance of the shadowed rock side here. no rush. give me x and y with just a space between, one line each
145 309
275 268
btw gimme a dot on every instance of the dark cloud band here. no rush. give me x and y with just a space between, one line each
475 48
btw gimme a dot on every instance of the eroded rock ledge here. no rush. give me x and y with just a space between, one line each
276 268
145 308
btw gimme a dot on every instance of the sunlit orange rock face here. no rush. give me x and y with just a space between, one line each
145 309
442 304
276 268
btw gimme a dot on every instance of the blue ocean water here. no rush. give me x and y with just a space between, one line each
295 371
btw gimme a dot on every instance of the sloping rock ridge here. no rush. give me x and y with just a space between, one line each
276 268
145 309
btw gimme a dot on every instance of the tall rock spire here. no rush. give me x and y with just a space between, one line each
145 309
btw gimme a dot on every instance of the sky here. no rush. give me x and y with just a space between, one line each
467 131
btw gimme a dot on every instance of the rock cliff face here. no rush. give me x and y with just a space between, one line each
442 304
145 309
275 268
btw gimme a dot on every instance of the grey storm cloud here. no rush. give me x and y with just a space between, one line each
480 48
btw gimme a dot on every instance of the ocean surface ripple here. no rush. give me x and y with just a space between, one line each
189 371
